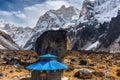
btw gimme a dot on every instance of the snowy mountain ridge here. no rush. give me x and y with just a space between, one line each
53 20
19 35
106 9
6 42
87 27
95 26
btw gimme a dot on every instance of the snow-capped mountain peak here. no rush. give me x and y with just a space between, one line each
54 20
19 34
6 42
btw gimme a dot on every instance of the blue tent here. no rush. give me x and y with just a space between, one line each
48 56
47 65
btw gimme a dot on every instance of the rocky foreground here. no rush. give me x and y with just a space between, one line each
87 65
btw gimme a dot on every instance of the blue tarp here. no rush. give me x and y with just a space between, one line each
47 65
48 56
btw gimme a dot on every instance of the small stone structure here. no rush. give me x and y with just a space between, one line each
47 68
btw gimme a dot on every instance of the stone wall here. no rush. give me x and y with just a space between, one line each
51 75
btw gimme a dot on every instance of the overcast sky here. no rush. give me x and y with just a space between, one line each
27 12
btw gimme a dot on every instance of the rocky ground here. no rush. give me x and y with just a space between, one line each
12 64
87 65
90 65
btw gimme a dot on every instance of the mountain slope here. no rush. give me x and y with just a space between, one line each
87 29
94 34
6 42
53 20
111 41
106 9
19 34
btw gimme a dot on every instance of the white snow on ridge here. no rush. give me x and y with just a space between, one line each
4 31
106 17
67 25
1 47
82 19
75 17
54 28
107 10
92 46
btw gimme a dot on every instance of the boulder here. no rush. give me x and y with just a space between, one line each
98 74
54 42
83 62
83 74
118 73
73 61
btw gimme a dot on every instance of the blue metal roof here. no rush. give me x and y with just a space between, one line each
47 65
48 56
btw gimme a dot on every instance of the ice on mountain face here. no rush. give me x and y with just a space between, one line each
44 23
21 36
68 25
106 9
75 17
106 17
55 19
93 46
83 19
52 15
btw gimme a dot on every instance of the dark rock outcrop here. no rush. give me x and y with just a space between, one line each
52 42
113 32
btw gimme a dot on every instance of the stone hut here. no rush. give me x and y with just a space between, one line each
47 68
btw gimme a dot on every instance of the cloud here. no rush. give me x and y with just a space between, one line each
5 13
30 15
34 12
19 14
92 0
